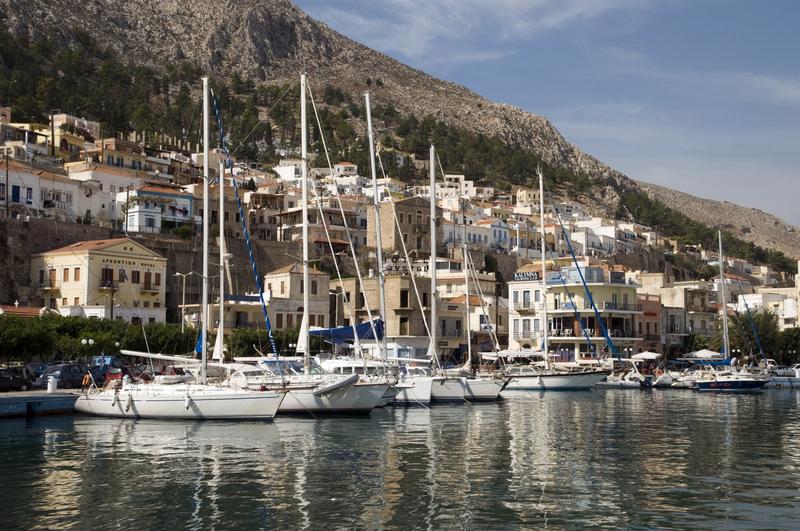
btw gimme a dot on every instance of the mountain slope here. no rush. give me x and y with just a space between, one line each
271 41
750 224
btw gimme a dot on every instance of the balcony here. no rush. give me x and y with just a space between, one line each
48 285
108 284
613 306
150 287
524 335
524 307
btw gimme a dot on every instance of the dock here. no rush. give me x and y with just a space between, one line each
33 403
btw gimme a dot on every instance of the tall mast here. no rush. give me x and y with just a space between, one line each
205 314
544 263
468 363
723 302
375 202
304 339
432 347
220 341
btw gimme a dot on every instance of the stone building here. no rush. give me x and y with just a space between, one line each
111 279
413 215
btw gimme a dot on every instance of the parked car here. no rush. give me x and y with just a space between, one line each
12 382
34 370
68 374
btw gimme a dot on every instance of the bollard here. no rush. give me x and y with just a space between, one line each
52 383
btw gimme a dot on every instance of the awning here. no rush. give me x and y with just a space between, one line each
344 334
648 355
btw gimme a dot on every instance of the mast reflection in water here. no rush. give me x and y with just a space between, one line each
654 459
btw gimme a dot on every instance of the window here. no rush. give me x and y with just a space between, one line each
404 298
76 274
135 276
537 295
146 304
515 296
404 326
321 320
425 299
526 327
536 325
313 287
526 298
289 319
279 320
76 301
655 328
156 304
66 275
157 281
151 320
283 285
64 301
41 277
312 319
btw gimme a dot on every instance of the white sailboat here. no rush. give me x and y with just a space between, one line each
309 387
549 376
175 399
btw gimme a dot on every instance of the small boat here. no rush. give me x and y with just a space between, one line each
731 382
629 378
534 376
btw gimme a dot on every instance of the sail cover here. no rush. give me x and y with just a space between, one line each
344 334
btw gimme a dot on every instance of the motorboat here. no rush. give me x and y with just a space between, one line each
625 378
731 381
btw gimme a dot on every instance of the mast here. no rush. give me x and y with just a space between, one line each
723 302
468 363
303 340
432 347
379 244
205 313
220 340
544 262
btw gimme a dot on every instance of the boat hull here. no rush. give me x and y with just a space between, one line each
730 386
358 398
448 389
480 389
618 384
783 382
389 396
415 391
180 402
557 381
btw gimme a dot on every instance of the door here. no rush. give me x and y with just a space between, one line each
15 194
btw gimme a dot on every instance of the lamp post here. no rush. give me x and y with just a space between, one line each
183 297
87 342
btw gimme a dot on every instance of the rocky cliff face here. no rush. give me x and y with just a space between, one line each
273 40
749 224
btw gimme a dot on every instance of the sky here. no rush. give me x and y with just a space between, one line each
702 96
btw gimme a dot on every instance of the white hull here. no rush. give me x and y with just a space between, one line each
783 382
618 384
557 381
415 390
360 397
389 396
480 389
665 380
180 401
448 389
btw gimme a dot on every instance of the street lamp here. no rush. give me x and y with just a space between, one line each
183 297
87 342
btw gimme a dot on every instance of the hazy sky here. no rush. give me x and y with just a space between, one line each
698 95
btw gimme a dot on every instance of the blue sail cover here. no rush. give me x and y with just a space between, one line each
344 334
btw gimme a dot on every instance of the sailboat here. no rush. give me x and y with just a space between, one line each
310 388
550 377
180 399
733 380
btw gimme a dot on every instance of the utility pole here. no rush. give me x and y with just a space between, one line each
8 190
127 205
52 136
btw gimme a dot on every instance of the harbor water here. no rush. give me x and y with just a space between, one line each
673 459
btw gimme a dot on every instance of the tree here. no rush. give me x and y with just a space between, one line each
789 346
741 328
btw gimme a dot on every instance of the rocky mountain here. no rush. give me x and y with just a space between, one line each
750 224
271 41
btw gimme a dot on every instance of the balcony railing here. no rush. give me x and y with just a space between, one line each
149 286
524 306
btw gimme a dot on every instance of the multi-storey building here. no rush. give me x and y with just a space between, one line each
155 208
698 298
570 314
110 279
413 215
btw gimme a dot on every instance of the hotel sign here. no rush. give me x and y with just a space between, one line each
398 266
527 275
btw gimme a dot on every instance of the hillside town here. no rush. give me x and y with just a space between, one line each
66 172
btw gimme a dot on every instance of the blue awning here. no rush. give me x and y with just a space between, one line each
344 334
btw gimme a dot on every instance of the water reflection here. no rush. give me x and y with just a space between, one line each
612 458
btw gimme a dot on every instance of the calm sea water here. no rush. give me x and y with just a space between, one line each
561 460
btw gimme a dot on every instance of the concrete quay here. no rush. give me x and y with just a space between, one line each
32 403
